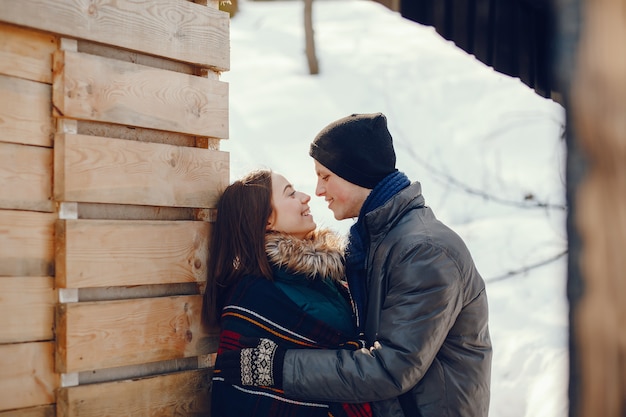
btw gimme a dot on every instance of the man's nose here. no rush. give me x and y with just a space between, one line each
319 190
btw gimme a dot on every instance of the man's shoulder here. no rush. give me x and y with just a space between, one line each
418 230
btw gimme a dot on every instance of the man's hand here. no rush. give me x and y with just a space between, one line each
261 365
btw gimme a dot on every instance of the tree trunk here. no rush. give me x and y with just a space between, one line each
309 38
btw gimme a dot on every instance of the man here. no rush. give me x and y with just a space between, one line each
420 302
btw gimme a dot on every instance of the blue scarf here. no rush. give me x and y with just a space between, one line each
356 251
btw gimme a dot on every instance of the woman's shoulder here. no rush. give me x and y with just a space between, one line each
319 255
252 283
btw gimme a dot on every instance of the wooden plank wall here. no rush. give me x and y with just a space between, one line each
111 117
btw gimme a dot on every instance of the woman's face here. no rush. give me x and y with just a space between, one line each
290 212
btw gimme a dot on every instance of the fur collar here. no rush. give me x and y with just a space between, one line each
320 254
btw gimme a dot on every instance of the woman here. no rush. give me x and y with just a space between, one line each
272 275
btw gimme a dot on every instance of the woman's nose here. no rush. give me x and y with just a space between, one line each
305 198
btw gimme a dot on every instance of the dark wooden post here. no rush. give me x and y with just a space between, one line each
596 105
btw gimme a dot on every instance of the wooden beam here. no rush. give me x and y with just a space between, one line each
107 334
177 394
140 134
27 375
127 212
26 309
143 370
104 170
598 110
26 177
179 30
40 411
26 243
94 88
25 112
26 53
102 253
94 48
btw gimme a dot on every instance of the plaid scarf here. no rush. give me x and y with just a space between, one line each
257 308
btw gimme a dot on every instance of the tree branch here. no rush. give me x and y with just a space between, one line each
527 268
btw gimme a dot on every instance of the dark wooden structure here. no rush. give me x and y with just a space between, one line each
515 37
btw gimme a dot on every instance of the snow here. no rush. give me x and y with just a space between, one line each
488 151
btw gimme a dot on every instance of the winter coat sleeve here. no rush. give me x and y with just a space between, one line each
421 294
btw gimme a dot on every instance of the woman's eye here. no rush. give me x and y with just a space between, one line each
292 194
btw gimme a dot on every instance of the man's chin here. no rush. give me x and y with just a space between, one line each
339 216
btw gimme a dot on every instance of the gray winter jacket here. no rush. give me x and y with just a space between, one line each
427 312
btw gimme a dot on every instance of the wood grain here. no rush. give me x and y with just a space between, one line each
26 309
94 88
26 53
26 243
177 395
104 170
107 334
27 375
39 411
26 177
174 29
25 112
102 253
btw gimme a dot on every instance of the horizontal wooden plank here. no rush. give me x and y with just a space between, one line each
103 253
26 53
27 375
26 309
178 394
113 52
25 111
26 243
101 89
110 130
103 170
136 291
176 29
143 370
107 334
127 212
40 411
26 177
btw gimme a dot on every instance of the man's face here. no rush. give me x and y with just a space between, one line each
344 198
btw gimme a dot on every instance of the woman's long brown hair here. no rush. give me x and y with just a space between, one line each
237 246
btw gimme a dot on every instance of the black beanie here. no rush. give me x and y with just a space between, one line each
358 148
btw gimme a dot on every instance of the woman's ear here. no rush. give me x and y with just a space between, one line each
270 222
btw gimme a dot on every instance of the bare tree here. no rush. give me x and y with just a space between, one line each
309 39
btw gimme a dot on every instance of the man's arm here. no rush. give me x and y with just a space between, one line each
423 300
